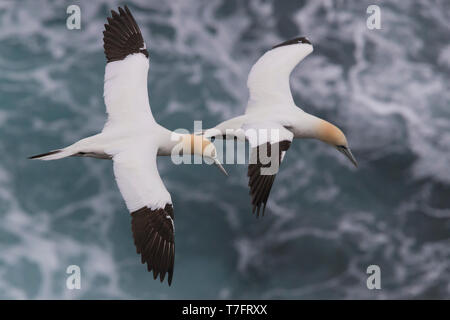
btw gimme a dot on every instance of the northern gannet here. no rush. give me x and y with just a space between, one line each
133 139
272 119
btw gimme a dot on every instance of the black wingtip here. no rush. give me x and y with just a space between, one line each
114 14
44 154
297 40
264 208
260 185
157 249
122 37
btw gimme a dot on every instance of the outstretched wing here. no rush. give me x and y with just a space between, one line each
150 206
268 80
269 143
125 88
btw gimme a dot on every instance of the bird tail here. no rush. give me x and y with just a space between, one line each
85 147
53 155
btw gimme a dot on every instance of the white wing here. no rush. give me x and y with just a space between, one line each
151 208
138 178
135 169
125 88
268 80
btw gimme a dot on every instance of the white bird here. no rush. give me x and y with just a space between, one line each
272 118
133 139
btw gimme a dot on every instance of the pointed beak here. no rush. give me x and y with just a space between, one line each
346 151
219 165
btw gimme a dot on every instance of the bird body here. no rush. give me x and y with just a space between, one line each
272 119
133 139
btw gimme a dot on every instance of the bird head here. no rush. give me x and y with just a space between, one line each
334 136
201 146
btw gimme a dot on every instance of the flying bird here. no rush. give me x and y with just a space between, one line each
272 119
133 139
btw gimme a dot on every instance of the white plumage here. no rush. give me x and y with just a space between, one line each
272 119
138 178
125 90
268 80
132 139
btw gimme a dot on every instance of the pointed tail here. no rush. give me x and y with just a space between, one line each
52 155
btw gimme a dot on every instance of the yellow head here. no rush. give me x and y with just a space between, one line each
332 135
197 144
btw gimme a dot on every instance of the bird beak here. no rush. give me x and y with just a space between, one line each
346 151
219 165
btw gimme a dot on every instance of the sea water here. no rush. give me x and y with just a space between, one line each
388 89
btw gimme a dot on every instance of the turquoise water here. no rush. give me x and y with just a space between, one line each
326 222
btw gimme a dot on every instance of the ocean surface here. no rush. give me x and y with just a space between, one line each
326 222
